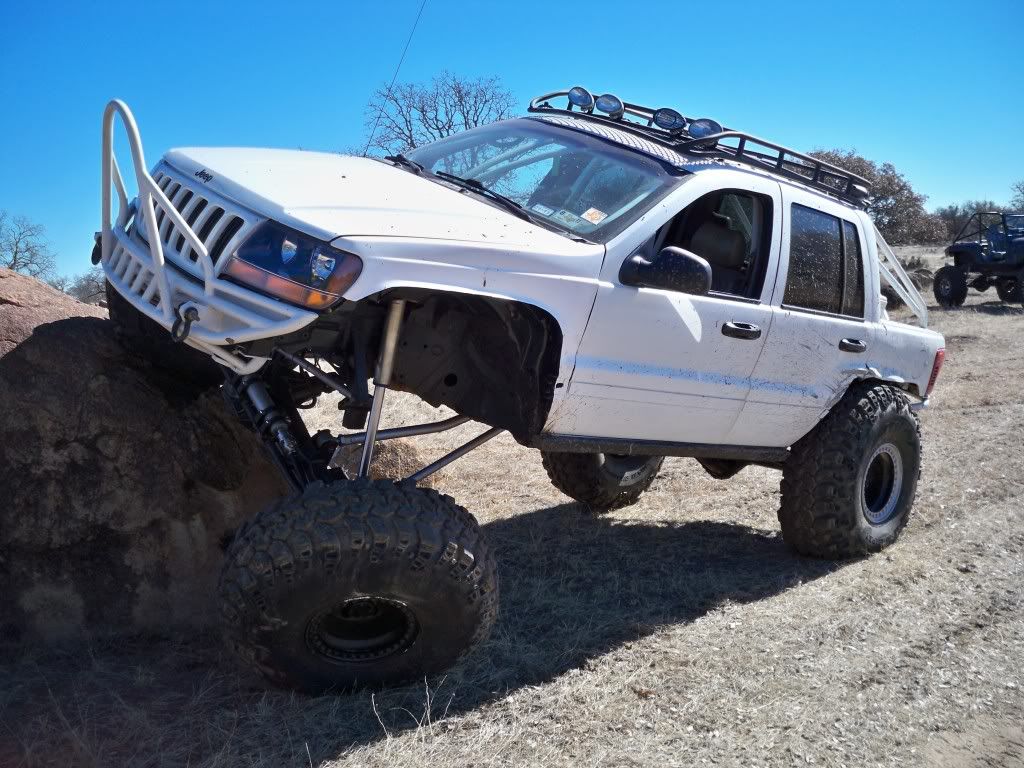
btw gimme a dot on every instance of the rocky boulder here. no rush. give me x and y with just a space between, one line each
118 486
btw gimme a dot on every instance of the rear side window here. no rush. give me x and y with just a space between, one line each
826 270
815 278
853 285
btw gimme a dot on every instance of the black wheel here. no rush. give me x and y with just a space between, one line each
848 486
151 342
601 480
1010 291
361 583
950 286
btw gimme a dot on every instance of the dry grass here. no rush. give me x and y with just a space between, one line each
679 631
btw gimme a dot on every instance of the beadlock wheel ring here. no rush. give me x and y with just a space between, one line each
362 629
882 485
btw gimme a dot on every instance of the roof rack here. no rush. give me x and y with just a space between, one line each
725 144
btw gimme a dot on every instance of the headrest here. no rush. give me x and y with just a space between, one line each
721 246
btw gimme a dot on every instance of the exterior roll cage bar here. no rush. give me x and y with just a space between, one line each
764 155
977 220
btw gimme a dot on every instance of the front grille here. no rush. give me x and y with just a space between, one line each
214 225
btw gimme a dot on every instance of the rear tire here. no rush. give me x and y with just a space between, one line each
146 339
849 485
602 481
1010 292
355 584
950 286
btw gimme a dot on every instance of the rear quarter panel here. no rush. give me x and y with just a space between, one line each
906 353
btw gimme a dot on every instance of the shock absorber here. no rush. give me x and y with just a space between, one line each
265 416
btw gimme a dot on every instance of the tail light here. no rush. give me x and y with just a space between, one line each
940 356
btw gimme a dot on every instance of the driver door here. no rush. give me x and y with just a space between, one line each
659 365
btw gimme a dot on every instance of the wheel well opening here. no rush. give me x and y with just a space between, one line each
495 361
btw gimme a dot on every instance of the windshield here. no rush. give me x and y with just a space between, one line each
572 181
1015 222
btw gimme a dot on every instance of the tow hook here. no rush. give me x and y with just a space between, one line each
183 323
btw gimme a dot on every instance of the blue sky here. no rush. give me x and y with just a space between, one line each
915 83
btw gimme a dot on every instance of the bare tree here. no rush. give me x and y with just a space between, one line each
23 247
1017 202
411 114
60 282
89 288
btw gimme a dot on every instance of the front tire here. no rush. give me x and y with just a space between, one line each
603 481
950 286
354 584
1010 291
849 485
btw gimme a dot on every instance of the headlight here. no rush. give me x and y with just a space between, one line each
293 266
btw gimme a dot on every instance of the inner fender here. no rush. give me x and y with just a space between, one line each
494 361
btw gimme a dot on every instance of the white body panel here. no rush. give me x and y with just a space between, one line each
636 364
656 360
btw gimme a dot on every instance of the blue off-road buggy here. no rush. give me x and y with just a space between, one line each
988 251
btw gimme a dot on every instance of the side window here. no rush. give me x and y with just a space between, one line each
815 278
826 269
853 264
731 229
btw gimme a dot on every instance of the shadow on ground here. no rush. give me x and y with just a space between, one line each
997 308
574 586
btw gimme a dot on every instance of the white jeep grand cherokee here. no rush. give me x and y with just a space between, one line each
609 283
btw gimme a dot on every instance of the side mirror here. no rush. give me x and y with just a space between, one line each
673 269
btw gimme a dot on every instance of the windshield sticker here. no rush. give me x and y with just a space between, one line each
543 210
568 218
594 216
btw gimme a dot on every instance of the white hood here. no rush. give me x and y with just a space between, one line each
330 196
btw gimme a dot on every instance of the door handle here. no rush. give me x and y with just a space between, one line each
853 345
741 330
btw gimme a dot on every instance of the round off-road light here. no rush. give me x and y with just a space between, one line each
610 105
669 120
702 127
582 98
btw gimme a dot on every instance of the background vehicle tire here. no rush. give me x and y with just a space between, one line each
353 584
849 485
603 481
144 338
1010 292
950 286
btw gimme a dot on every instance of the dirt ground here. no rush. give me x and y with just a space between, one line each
679 631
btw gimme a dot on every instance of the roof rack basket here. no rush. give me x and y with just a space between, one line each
727 144
775 158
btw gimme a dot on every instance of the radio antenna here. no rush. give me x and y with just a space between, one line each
387 94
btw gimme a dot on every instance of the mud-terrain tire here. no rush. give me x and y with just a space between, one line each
849 485
950 286
151 342
357 584
1010 291
603 481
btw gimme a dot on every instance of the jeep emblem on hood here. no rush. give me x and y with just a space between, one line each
202 174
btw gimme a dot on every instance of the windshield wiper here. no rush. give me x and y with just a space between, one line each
405 162
507 202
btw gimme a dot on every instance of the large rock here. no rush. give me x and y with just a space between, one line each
116 486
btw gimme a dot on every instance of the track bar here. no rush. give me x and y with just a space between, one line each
357 438
458 453
316 373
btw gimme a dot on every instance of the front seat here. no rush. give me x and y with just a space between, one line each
725 250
